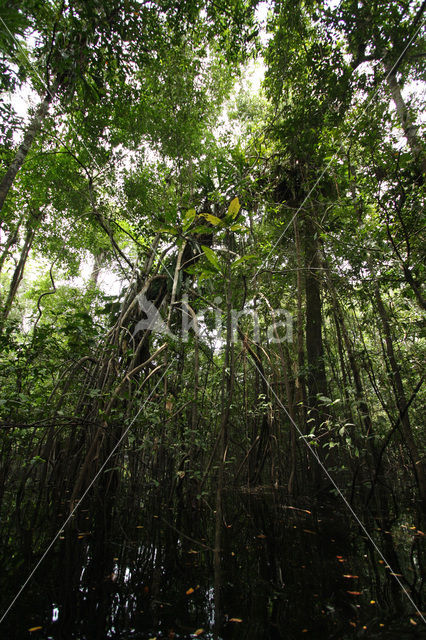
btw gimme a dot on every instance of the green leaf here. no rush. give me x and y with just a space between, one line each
189 215
324 399
188 219
234 208
243 259
211 257
204 275
170 230
201 229
212 219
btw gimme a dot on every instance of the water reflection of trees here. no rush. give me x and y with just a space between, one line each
282 570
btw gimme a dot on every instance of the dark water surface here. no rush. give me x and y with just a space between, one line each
148 570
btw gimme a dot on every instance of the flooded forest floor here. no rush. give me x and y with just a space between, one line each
145 567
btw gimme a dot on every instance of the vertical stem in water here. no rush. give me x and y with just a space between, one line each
227 386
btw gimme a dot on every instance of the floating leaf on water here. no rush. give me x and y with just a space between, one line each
34 629
354 593
413 621
198 632
348 575
261 536
296 508
235 620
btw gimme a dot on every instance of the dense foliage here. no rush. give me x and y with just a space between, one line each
283 226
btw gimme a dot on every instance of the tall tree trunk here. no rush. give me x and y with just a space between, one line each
317 383
361 397
33 130
11 240
414 286
227 391
345 376
401 401
359 389
300 397
18 274
405 118
316 376
98 263
285 369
